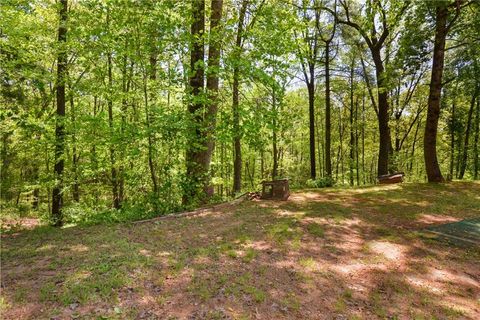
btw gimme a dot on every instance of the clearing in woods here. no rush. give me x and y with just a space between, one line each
323 254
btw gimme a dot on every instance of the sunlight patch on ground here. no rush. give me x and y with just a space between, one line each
45 247
448 277
79 248
259 245
350 269
424 284
389 250
288 213
436 219
304 196
145 252
78 276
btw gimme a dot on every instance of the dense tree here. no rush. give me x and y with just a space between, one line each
57 194
157 106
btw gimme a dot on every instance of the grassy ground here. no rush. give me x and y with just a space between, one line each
323 254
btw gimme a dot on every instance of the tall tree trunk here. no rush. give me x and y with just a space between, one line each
431 127
237 147
262 164
357 167
463 165
452 140
274 137
328 122
352 138
476 158
76 187
382 115
212 88
153 78
363 139
197 75
311 117
57 196
113 169
93 152
200 149
413 145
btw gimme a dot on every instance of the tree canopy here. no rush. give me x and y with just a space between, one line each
148 107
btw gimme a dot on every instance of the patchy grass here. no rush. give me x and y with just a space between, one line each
315 229
338 253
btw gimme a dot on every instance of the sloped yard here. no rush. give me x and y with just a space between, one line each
323 254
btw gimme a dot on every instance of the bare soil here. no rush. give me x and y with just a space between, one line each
323 254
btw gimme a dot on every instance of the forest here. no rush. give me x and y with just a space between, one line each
156 106
136 135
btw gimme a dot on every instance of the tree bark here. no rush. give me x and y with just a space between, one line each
463 165
237 152
212 88
57 196
430 137
311 117
197 76
328 122
452 141
76 187
274 138
383 114
200 149
113 169
352 138
153 78
476 158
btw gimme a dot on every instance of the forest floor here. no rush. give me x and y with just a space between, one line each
323 254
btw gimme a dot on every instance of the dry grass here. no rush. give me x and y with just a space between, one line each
324 254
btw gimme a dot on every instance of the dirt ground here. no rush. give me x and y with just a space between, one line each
323 254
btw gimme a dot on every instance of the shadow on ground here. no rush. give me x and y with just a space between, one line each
322 254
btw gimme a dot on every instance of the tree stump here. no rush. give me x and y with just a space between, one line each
391 178
276 189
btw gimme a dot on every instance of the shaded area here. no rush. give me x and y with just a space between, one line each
323 254
465 232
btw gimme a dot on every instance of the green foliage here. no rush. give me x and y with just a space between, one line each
323 182
144 139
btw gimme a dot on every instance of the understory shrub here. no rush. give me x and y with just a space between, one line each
323 182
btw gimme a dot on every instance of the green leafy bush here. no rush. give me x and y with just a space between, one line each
320 183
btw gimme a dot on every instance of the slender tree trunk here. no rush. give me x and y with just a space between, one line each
430 137
76 187
113 169
311 117
452 140
319 144
463 165
476 158
412 156
352 138
363 139
357 167
126 79
262 164
328 123
459 145
93 153
274 139
57 196
237 147
153 78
